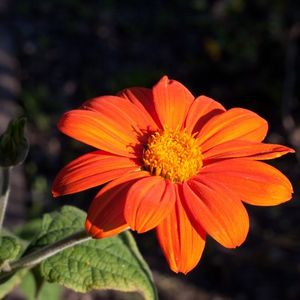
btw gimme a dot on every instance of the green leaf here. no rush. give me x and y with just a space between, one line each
9 249
12 282
29 286
110 263
49 291
105 264
33 290
29 230
58 225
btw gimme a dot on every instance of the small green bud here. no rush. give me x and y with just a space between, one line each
13 144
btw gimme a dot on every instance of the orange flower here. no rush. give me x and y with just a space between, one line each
180 164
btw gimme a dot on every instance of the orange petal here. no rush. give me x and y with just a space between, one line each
251 150
142 98
99 131
128 115
180 242
172 101
217 210
149 201
255 182
201 110
90 170
106 214
236 123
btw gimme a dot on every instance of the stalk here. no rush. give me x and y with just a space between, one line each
32 259
4 194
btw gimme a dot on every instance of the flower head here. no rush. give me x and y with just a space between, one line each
173 162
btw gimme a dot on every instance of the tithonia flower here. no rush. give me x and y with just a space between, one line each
175 163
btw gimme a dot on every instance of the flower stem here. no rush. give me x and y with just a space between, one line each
4 193
32 259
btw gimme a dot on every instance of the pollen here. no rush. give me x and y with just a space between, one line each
172 154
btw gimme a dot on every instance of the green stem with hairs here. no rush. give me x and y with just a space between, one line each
32 259
4 194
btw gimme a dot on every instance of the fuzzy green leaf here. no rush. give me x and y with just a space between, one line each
11 282
9 249
58 225
110 263
28 231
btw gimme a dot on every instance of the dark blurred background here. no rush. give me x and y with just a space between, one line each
54 54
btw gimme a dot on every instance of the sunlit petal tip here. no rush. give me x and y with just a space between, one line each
289 150
280 150
165 79
54 193
283 150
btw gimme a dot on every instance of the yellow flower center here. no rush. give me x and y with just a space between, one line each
174 155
